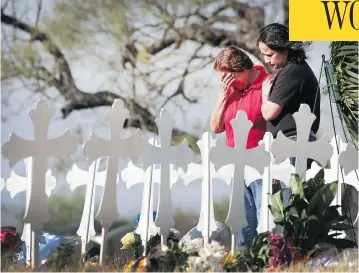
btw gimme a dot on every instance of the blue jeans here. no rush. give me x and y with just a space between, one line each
252 204
287 193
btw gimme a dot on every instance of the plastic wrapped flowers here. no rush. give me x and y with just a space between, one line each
128 240
204 257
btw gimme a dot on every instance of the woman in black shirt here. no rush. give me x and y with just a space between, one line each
294 84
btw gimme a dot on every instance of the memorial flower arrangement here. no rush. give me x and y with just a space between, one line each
303 232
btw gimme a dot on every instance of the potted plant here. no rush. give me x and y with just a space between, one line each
308 222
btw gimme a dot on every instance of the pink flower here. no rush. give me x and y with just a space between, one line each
274 237
276 256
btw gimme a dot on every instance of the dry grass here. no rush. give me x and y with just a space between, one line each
302 268
114 267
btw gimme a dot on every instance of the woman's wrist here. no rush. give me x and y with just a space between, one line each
264 98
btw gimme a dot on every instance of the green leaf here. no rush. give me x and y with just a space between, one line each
277 202
342 218
340 226
320 247
313 218
280 230
351 65
279 220
293 212
331 216
349 47
263 250
313 185
342 243
346 53
276 213
296 185
319 176
350 79
323 198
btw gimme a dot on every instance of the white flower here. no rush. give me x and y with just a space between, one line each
204 252
197 264
204 257
192 246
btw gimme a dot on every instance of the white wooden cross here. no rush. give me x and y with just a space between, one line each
36 211
319 150
349 161
206 172
222 155
333 173
113 148
179 156
16 184
281 172
77 177
135 175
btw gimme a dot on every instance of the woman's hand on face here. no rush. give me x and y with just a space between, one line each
226 80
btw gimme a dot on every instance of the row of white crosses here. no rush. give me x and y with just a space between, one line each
237 165
133 148
282 148
341 155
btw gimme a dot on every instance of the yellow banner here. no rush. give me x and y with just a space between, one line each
317 20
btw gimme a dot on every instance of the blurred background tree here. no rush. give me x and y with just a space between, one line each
63 211
133 41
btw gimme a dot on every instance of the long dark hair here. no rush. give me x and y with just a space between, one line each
276 37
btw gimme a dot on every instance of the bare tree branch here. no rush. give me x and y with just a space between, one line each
66 80
248 21
140 39
180 88
39 7
77 99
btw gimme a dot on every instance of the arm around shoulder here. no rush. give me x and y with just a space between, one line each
287 85
270 110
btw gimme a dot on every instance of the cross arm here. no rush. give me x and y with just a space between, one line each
221 155
186 156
